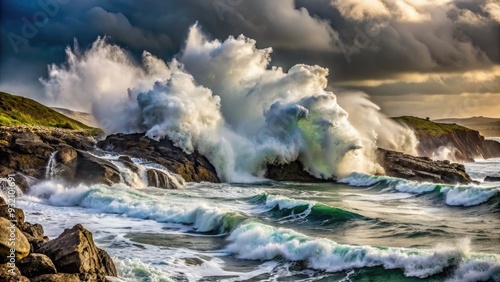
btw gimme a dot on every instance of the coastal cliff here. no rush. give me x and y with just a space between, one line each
450 140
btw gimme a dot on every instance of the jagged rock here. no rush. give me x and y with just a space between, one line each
74 251
293 171
21 244
35 265
16 276
192 167
160 179
492 179
35 230
35 235
401 165
35 243
2 201
128 162
59 277
66 155
90 169
107 263
395 164
26 150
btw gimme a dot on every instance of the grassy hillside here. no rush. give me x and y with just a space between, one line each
82 117
424 127
487 126
17 111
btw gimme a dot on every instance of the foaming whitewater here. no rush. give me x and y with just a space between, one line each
209 231
263 242
454 195
225 100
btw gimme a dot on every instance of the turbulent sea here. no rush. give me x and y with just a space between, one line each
365 229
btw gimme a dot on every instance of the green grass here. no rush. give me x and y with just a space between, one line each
423 127
20 111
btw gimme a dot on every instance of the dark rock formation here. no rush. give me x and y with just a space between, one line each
192 167
90 169
129 163
492 179
401 165
395 164
73 256
74 251
25 151
35 265
293 171
159 179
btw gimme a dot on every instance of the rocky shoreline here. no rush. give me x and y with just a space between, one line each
26 153
71 257
33 154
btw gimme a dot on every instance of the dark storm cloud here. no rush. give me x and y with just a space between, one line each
357 40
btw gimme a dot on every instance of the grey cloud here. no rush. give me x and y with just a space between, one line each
303 31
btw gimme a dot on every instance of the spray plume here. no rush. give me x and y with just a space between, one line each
225 100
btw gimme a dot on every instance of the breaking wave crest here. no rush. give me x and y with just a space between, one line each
454 195
226 100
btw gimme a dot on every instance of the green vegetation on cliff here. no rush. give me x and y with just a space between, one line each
424 127
489 127
21 111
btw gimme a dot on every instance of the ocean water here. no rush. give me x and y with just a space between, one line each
366 228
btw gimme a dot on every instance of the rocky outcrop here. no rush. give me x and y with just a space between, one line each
293 171
160 179
32 232
74 251
35 265
492 179
73 256
464 144
409 167
90 169
395 164
25 151
192 167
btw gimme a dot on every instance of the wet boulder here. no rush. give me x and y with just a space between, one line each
74 251
14 214
35 265
92 170
12 238
397 164
8 274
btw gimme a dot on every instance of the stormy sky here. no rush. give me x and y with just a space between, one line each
437 58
